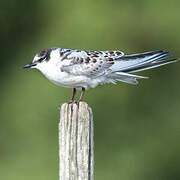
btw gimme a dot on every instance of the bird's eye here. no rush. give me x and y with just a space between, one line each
43 55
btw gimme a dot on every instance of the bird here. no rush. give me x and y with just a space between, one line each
83 69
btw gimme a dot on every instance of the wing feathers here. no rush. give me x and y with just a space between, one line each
140 62
113 64
152 65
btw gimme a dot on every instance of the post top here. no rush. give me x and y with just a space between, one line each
81 104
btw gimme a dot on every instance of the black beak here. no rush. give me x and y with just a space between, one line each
29 65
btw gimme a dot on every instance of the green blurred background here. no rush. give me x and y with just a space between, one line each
137 128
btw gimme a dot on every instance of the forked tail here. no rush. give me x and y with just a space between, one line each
138 62
144 61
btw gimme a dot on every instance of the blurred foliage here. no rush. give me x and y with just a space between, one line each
137 128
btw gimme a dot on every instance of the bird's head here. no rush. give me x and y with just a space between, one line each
42 58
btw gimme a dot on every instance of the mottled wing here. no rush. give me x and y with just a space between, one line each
89 63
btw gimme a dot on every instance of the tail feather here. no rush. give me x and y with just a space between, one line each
138 62
150 66
143 61
125 77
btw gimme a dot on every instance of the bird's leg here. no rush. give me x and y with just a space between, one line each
81 96
73 95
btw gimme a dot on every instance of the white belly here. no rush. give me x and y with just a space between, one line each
66 80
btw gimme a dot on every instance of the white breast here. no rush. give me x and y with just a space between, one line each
52 70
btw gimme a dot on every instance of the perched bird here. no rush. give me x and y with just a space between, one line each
87 69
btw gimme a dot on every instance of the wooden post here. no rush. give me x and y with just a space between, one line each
76 150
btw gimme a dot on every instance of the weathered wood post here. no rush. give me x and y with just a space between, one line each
76 150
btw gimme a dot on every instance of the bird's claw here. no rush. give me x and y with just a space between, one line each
74 102
71 101
78 101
